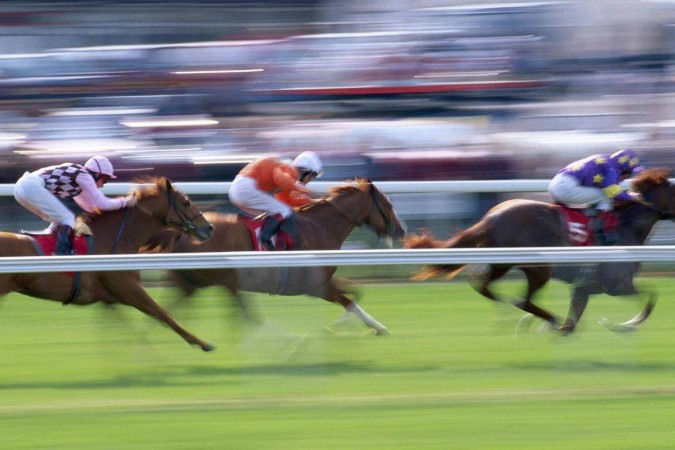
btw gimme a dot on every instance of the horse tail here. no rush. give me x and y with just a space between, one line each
163 241
472 237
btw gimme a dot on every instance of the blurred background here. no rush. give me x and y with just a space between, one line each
390 89
396 90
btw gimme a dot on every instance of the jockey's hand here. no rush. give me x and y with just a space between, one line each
131 200
637 197
303 188
81 228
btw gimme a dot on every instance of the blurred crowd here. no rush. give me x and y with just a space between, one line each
395 90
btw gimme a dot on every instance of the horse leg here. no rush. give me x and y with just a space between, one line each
494 273
334 294
537 277
133 294
577 307
635 322
346 318
246 311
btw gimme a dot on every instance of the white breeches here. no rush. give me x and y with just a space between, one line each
31 193
567 190
245 194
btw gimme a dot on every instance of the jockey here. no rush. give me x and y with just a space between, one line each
40 191
593 183
252 191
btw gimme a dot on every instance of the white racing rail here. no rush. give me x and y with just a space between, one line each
557 255
389 187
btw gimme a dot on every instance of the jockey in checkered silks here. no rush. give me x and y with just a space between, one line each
40 193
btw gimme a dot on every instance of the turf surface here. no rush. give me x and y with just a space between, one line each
452 374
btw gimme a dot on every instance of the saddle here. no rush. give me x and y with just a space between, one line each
45 242
578 223
281 239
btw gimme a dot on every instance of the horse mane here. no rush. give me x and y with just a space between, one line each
358 184
650 178
162 242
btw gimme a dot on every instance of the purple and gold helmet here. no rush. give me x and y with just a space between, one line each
627 160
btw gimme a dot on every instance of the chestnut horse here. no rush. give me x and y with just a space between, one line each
322 225
124 231
526 223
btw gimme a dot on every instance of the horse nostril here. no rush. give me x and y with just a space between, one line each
211 228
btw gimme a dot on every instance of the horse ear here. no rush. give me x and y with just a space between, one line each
167 184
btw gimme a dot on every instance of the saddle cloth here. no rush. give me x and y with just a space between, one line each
45 243
577 225
281 239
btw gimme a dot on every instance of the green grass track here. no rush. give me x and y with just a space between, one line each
452 375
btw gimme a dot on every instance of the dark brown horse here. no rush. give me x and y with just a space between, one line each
526 223
323 225
124 231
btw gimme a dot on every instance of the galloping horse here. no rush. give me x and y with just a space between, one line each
322 225
123 231
526 223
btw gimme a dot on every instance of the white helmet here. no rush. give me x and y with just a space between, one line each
308 162
101 165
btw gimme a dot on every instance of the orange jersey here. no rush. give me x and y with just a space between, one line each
294 199
273 175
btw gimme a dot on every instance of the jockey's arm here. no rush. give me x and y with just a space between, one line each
91 199
285 177
294 198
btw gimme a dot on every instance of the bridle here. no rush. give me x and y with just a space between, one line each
389 226
186 223
664 214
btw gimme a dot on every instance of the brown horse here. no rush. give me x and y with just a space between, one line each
322 225
124 231
526 223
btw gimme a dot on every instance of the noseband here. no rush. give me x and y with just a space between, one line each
186 223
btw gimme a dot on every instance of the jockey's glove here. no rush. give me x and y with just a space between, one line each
637 197
131 200
81 228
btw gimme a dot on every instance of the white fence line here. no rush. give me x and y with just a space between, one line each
389 187
535 255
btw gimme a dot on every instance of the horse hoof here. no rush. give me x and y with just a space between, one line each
208 347
616 327
382 332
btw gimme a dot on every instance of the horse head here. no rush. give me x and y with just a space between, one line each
658 192
371 207
382 217
174 208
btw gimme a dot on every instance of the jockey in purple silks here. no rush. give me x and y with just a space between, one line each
40 191
594 183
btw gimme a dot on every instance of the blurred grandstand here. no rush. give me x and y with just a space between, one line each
393 90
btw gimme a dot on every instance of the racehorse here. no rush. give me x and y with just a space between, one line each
322 225
122 231
527 223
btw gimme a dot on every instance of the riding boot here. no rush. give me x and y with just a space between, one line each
600 233
269 229
290 226
64 244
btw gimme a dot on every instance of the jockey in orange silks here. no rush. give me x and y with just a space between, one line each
253 187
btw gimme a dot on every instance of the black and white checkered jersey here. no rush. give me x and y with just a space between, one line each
61 180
